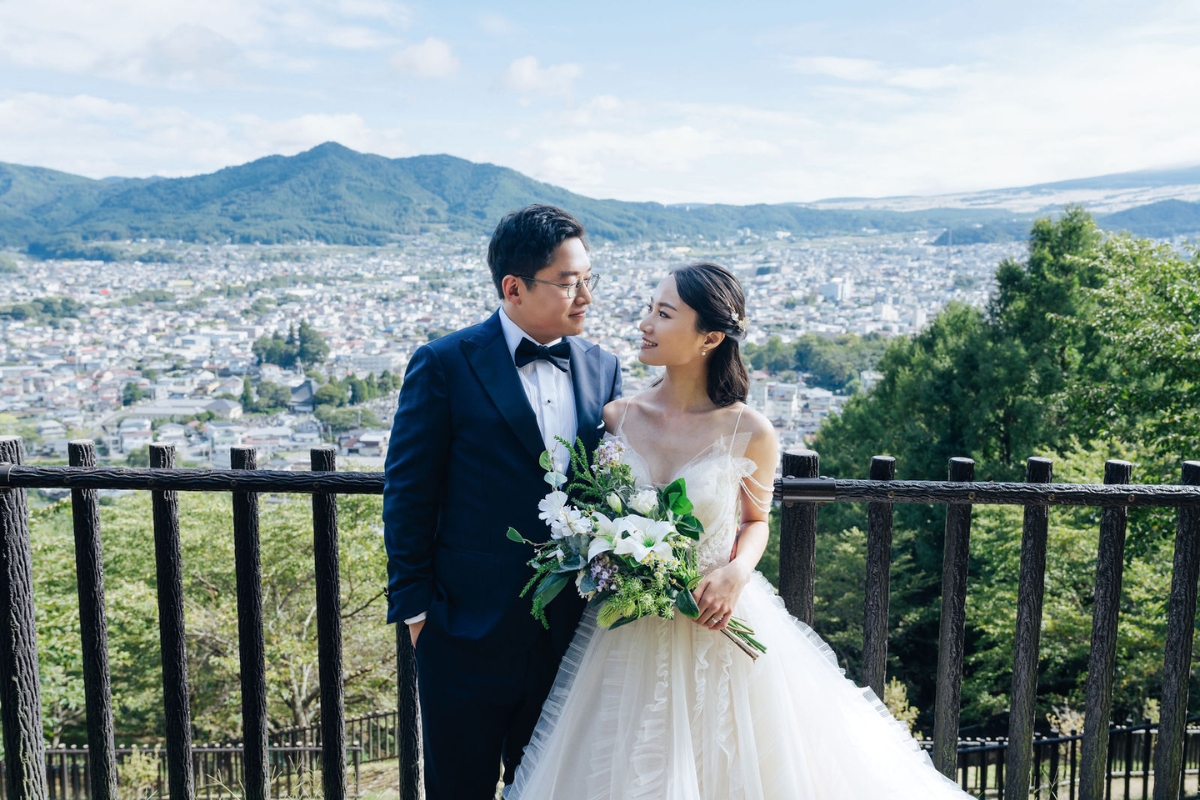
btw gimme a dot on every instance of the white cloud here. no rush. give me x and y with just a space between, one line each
496 25
524 76
92 136
357 37
432 58
850 69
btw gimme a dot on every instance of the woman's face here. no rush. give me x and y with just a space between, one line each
669 335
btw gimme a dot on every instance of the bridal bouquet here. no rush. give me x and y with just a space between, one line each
628 549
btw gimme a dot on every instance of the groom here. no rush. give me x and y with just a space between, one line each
477 409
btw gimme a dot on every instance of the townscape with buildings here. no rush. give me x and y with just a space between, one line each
160 352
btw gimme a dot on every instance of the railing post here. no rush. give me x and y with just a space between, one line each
93 629
953 625
798 540
329 631
168 559
1030 593
247 555
1110 565
879 576
408 734
20 693
1177 662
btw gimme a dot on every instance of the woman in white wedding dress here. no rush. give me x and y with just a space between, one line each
671 709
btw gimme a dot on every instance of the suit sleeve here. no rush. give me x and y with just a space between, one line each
615 393
413 479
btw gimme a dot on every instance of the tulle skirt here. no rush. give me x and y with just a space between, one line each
666 709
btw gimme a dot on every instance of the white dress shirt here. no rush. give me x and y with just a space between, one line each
550 391
551 395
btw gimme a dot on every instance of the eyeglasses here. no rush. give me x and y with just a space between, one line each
573 289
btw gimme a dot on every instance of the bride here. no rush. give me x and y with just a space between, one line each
670 709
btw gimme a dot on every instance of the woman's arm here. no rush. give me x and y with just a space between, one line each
718 592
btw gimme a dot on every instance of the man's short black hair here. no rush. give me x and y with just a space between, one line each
525 240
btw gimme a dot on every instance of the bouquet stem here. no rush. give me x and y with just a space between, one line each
742 635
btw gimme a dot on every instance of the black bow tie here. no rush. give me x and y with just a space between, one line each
557 354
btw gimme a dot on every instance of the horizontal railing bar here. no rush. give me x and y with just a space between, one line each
191 480
833 490
801 490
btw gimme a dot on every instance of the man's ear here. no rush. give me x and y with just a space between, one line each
512 286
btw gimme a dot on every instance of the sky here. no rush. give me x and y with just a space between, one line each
668 101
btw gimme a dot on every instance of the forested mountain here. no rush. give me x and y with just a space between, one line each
339 196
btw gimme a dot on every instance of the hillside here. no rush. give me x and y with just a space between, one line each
336 195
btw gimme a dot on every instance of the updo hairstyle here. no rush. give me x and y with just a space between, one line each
720 305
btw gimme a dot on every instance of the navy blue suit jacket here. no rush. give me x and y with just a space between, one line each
462 467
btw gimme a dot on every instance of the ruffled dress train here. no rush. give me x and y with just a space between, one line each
666 709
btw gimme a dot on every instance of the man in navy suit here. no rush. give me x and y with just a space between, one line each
476 411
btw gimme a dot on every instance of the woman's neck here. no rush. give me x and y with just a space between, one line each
684 389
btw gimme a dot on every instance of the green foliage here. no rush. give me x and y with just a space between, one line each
332 394
271 397
210 604
341 420
311 345
8 266
148 296
45 309
274 349
1086 340
132 393
139 457
830 362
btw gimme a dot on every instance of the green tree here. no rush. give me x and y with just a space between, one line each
131 393
272 397
311 345
274 349
139 457
210 607
341 420
331 394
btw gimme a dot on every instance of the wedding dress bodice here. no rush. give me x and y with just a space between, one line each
713 479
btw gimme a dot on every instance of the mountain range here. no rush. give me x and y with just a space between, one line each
336 195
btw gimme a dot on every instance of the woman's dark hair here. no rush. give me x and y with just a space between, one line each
524 241
720 305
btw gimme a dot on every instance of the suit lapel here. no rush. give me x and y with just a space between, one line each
489 357
585 378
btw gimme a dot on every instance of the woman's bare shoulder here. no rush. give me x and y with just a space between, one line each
613 412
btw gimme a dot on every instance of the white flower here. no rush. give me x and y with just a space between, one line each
614 502
552 506
644 501
602 541
570 522
643 537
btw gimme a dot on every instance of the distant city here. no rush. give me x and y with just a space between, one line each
132 351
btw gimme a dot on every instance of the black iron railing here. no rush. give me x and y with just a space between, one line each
801 492
219 771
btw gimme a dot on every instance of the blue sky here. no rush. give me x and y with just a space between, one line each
699 101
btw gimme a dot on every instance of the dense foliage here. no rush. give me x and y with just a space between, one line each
211 615
303 345
1087 351
832 363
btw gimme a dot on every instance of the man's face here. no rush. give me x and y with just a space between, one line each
543 310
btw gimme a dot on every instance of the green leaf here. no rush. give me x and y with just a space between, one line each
516 537
546 461
676 498
548 589
686 603
622 621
